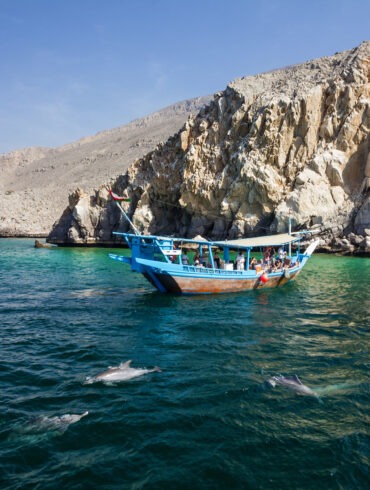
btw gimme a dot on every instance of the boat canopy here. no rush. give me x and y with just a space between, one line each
262 241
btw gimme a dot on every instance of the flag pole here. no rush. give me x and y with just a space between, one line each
118 200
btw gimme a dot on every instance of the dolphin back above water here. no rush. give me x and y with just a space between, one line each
123 372
293 383
68 418
57 424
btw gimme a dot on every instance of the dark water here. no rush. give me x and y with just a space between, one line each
208 420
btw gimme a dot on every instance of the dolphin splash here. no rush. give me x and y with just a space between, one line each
123 372
293 383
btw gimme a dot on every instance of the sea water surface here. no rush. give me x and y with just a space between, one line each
209 420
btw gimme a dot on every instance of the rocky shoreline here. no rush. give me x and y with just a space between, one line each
353 245
350 245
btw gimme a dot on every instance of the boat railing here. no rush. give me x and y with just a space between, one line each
225 272
212 271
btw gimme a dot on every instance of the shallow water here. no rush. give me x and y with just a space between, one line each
209 420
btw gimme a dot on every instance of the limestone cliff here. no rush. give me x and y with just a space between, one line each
293 141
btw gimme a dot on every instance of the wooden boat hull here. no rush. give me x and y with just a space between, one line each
200 285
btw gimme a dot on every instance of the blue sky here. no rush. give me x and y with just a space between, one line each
71 68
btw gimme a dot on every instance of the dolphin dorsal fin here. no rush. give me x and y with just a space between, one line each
296 379
125 364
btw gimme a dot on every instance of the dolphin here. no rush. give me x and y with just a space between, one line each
292 383
58 423
123 372
63 420
41 427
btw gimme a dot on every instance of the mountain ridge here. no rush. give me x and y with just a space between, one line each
35 182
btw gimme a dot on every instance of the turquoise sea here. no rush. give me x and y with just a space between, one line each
209 420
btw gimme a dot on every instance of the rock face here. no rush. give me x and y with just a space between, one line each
293 141
35 182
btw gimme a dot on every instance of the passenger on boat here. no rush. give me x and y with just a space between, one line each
270 260
259 266
281 253
277 266
217 260
173 257
240 261
197 260
185 258
287 262
266 255
252 263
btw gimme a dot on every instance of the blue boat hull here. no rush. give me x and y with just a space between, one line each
159 260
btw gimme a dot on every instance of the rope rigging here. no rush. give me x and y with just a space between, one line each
209 215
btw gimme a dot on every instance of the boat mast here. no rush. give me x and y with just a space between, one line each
117 200
290 231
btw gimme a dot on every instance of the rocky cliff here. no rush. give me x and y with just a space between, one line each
35 182
294 140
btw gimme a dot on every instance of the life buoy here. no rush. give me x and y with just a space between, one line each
264 278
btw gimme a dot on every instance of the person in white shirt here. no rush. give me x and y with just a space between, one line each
185 258
240 261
